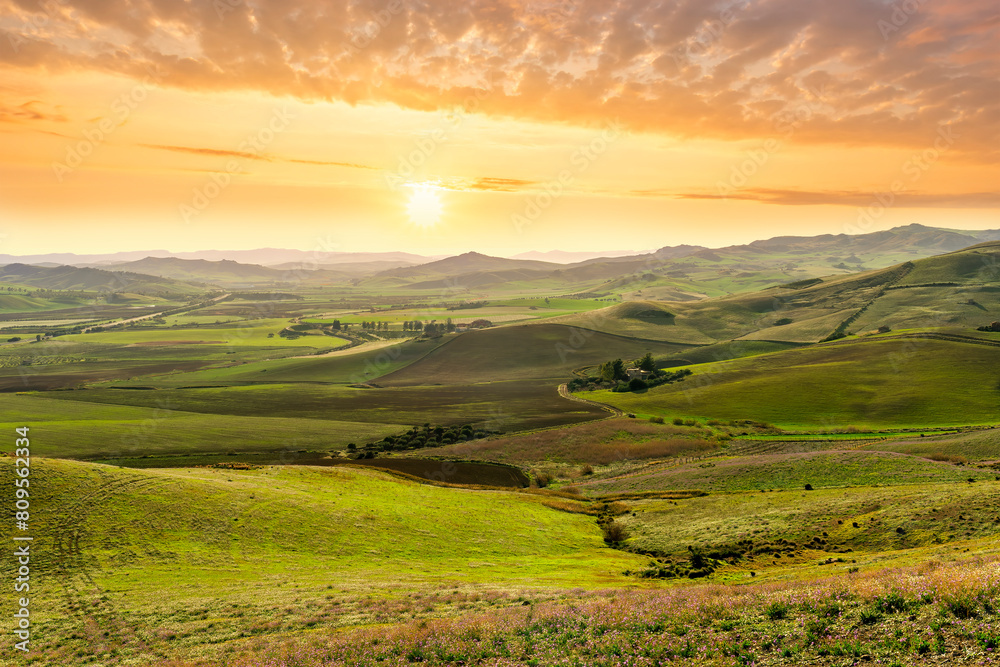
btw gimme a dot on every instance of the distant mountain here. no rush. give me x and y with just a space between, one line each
914 238
470 262
71 278
564 257
261 256
226 272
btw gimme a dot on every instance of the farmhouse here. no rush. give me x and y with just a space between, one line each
634 373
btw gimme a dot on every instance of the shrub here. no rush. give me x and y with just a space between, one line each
614 532
587 470
542 479
656 420
678 421
809 487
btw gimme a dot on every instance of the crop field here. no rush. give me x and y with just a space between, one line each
500 405
597 443
542 351
252 333
357 365
879 383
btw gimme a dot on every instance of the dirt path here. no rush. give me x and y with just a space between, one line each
565 393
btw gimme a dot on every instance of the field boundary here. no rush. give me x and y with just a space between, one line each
565 393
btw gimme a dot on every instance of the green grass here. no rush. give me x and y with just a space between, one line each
252 333
147 563
873 384
927 513
822 469
972 445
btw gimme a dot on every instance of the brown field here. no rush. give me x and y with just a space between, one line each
452 472
597 443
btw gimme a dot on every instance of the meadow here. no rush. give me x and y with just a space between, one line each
879 383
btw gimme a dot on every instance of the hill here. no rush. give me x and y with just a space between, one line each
467 263
873 382
88 279
532 351
172 562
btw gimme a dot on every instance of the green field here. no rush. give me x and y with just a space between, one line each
253 333
928 514
871 384
141 565
789 471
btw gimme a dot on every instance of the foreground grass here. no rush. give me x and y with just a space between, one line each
134 566
936 614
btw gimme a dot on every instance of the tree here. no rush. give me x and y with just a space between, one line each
612 371
450 325
646 363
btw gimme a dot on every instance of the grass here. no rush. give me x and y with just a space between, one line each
881 383
150 563
972 445
246 333
791 471
792 520
830 621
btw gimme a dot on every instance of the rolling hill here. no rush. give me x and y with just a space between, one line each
89 279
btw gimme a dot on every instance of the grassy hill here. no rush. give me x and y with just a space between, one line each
871 382
95 280
142 565
519 352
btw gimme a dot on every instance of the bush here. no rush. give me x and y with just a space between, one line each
614 532
656 420
678 421
542 479
637 384
809 487
587 470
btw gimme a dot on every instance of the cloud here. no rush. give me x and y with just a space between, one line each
246 155
987 199
28 111
851 72
500 184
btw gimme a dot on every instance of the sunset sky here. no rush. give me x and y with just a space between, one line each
491 125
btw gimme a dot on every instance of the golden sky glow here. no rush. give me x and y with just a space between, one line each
498 126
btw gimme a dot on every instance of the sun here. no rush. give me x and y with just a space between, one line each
424 207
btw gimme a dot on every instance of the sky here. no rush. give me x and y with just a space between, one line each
500 126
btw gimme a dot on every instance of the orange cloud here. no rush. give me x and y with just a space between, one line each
855 72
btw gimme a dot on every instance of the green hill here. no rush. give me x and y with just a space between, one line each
520 352
138 565
871 382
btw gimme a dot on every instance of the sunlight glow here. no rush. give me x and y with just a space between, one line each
424 207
